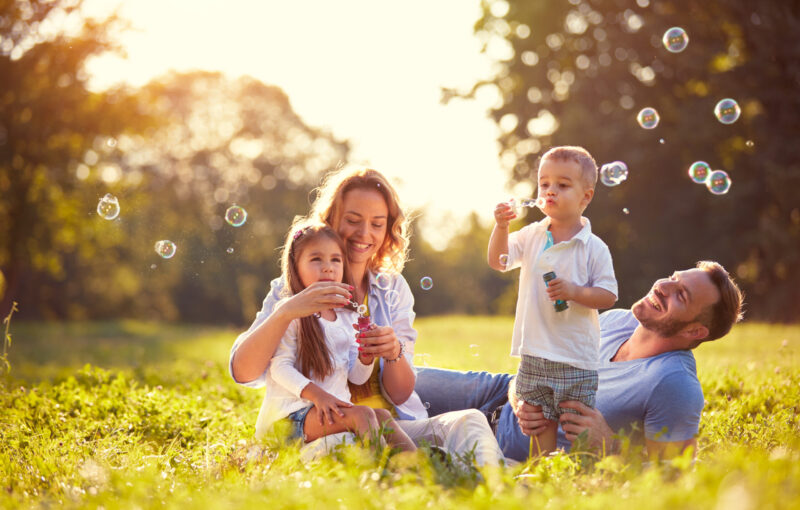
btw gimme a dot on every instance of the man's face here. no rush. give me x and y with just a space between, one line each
675 302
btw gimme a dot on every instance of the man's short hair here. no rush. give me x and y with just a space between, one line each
577 155
720 317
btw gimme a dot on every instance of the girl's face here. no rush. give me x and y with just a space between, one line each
363 224
320 260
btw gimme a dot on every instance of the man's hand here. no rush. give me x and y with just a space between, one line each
530 418
588 419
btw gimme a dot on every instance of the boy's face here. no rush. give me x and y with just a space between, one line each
562 186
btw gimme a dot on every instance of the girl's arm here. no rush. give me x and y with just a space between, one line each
253 349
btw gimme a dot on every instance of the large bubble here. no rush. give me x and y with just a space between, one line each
426 283
648 118
383 280
108 207
675 40
392 298
166 248
612 174
718 182
727 111
699 171
235 216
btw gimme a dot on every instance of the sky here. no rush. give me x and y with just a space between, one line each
370 71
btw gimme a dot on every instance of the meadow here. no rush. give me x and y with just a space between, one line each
144 415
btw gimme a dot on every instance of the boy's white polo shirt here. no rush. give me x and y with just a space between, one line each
571 336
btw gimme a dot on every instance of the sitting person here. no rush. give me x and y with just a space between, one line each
647 382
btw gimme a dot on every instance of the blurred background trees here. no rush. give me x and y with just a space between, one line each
180 150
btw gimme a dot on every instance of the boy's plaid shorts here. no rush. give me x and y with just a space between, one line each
545 383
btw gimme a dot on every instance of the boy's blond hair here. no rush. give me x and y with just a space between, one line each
577 155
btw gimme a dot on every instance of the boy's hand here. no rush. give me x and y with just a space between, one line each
503 214
561 289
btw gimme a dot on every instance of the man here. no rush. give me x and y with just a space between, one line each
648 386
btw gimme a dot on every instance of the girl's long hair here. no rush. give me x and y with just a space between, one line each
313 356
392 254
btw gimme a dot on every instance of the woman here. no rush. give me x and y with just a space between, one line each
363 208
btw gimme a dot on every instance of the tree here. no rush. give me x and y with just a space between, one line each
577 72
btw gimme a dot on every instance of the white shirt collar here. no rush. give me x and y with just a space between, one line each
583 234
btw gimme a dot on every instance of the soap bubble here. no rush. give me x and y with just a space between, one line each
166 249
230 249
111 142
749 143
153 266
662 141
361 309
392 297
675 40
727 111
473 349
383 280
612 174
699 171
426 283
504 259
235 216
426 405
532 202
718 182
648 118
108 207
625 210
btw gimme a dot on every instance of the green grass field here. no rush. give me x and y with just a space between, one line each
138 415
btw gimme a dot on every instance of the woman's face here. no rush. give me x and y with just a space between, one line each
363 224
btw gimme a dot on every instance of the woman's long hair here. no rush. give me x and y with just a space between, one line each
392 254
313 356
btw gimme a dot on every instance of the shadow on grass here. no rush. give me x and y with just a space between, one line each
49 351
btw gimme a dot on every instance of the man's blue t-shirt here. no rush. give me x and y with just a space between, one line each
659 398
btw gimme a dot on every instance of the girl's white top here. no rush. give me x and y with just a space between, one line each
284 382
389 306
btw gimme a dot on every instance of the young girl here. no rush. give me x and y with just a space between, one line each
318 354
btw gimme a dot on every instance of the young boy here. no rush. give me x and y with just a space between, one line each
556 327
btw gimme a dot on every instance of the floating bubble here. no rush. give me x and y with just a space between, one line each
426 405
625 210
426 283
108 207
718 182
699 171
111 142
749 143
361 309
612 174
519 205
675 40
153 266
648 118
727 111
662 141
166 249
230 249
504 259
235 216
392 297
383 280
473 349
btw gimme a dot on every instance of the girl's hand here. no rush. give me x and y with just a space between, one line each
326 404
317 297
561 289
378 342
503 214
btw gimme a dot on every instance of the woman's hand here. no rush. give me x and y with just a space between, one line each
315 298
378 342
530 418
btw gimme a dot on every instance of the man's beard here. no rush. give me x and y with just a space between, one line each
664 328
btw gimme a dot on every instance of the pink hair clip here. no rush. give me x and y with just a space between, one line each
299 233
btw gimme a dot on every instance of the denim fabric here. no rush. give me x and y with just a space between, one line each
444 390
298 421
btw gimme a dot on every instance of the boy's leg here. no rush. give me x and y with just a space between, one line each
453 390
397 437
357 419
535 386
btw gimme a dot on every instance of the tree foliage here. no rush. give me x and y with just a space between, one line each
577 73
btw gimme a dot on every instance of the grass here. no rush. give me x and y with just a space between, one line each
142 415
